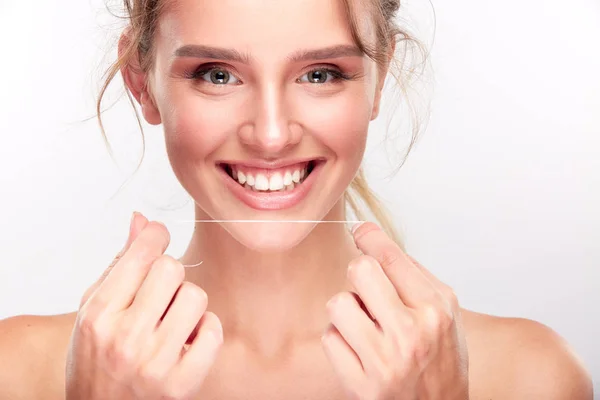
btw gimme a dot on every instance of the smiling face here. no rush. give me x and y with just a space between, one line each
265 106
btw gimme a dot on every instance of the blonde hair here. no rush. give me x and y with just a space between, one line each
142 17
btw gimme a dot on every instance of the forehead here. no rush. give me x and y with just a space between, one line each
263 27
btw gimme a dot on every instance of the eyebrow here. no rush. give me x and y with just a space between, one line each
218 53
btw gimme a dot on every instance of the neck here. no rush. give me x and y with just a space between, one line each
271 301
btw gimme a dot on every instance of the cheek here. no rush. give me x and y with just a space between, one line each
341 123
194 126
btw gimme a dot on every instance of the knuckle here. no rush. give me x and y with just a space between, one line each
340 302
360 266
153 241
450 296
357 394
392 344
146 253
151 374
90 323
378 392
173 391
407 323
160 229
364 229
388 257
438 319
353 267
386 375
420 352
121 351
212 320
120 355
193 293
170 266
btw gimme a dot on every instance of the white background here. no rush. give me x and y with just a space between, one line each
500 198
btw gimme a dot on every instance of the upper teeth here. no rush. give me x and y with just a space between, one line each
277 181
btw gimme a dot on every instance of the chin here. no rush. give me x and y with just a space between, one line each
269 237
274 195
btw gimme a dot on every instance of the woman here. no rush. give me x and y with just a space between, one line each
266 107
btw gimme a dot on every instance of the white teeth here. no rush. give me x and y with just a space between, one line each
296 176
287 178
250 180
276 182
241 177
279 181
262 183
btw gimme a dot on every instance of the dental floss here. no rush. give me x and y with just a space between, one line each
265 221
261 221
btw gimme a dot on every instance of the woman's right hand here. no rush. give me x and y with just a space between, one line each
141 331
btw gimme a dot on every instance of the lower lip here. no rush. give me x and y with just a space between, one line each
272 201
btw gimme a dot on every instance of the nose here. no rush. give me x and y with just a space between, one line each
270 130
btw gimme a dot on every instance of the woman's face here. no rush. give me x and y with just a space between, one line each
265 106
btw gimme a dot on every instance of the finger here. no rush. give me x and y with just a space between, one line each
432 278
377 292
410 283
443 288
122 283
357 329
197 361
181 319
156 293
344 360
137 223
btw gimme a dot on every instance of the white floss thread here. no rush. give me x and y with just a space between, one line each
303 221
260 221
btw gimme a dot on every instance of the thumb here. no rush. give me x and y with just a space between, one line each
137 224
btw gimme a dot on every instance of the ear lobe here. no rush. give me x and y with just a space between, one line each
375 111
377 99
135 79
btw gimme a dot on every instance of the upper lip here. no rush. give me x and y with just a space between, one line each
265 164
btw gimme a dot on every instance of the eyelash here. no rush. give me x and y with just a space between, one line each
336 74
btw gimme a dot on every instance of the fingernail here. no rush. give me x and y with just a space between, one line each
129 234
327 335
356 226
131 225
217 332
132 221
132 218
331 302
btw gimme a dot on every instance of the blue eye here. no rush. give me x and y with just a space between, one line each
221 76
216 76
322 75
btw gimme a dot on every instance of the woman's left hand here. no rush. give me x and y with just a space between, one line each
407 341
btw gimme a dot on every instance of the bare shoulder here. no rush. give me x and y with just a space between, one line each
517 358
33 352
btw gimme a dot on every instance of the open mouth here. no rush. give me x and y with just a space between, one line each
264 180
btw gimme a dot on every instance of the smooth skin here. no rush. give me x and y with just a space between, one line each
305 311
398 334
129 335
